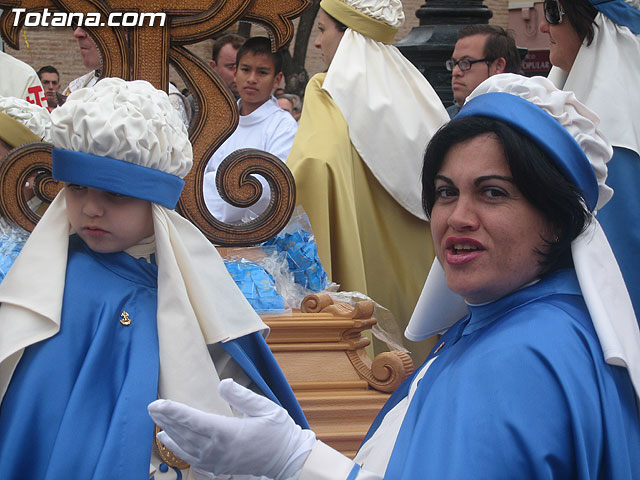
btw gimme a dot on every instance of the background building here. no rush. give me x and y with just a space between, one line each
523 20
56 46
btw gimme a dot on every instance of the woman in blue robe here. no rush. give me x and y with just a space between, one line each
538 372
595 52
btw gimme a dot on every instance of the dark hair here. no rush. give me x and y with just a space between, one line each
48 69
296 102
339 25
581 15
260 46
236 42
499 44
534 174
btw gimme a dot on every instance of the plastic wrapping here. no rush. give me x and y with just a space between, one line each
298 243
273 264
12 239
386 329
291 261
256 284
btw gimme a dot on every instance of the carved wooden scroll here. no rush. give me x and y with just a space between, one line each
239 188
389 369
321 352
29 161
145 53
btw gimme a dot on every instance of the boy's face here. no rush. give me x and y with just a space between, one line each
108 222
255 78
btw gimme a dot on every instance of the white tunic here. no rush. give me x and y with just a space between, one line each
267 128
87 80
17 79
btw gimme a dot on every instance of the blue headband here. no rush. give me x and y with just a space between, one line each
117 176
545 131
620 13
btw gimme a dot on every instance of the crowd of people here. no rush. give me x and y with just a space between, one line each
505 229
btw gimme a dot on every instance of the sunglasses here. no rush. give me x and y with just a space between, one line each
553 12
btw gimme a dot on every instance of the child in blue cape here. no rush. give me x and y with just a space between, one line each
116 300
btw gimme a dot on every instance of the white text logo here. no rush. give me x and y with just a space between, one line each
90 19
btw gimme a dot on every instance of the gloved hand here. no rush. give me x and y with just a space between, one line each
265 442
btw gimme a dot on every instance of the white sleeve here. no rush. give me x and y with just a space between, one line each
325 463
226 212
278 139
281 140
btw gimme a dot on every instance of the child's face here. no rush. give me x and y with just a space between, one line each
108 222
255 78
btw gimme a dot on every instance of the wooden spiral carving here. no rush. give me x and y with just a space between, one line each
15 169
388 370
315 303
237 187
145 53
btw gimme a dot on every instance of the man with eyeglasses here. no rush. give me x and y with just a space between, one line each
50 79
480 52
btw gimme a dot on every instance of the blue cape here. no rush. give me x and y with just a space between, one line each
520 389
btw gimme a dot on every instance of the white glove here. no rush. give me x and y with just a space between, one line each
265 442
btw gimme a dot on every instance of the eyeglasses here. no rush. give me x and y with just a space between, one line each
553 12
464 64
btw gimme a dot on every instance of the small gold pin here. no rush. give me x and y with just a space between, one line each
439 347
124 319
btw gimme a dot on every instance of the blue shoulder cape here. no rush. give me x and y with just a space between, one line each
620 218
520 390
77 403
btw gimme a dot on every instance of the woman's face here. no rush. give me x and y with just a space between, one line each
564 43
329 37
485 232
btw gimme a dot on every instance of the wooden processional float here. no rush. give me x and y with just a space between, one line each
320 347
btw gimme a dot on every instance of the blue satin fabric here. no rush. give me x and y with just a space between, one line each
521 390
620 12
253 355
117 176
544 130
76 405
620 218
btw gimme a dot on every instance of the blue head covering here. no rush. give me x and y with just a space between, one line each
545 131
117 176
620 13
